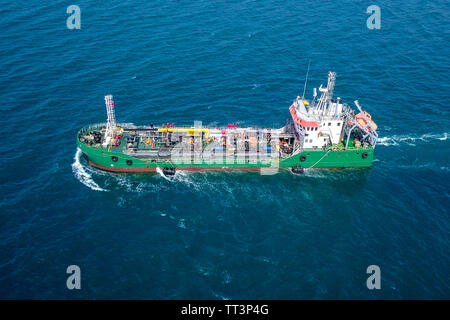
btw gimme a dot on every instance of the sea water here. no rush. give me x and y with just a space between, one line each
222 235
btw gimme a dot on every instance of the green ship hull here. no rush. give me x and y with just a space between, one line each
334 156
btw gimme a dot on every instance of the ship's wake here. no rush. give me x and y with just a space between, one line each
82 175
143 183
410 140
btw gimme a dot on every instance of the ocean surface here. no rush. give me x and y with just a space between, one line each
222 235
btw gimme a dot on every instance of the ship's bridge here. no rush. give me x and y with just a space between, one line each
324 115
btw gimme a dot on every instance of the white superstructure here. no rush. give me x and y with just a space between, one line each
320 122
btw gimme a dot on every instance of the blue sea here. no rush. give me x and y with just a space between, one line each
222 235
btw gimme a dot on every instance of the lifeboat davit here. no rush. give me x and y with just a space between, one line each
362 121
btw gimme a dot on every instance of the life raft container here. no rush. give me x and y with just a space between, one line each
362 121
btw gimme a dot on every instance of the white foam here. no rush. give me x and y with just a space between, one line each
161 173
386 141
428 165
82 175
184 178
410 140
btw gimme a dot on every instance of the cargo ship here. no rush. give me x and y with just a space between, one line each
322 132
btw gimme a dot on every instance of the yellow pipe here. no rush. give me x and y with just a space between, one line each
191 131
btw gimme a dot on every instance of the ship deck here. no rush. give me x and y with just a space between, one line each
205 143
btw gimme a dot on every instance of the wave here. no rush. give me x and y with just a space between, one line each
410 140
82 175
429 165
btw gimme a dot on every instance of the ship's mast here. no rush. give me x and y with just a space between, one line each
327 93
111 122
330 85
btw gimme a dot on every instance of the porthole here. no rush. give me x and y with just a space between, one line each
114 158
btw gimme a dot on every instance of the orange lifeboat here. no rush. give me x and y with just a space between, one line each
362 122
